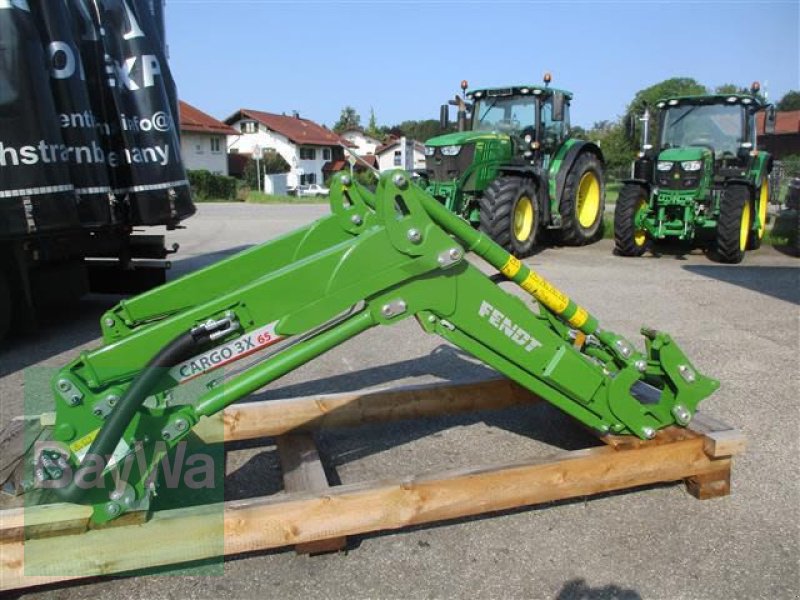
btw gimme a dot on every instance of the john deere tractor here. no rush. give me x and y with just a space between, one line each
512 169
704 182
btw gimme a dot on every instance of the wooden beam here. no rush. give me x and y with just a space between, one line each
197 533
269 418
721 439
303 472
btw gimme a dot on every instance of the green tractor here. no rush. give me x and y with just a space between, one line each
704 183
512 169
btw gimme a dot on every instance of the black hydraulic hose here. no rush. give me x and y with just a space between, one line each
182 347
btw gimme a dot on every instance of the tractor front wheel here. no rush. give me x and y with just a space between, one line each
734 223
756 235
510 214
583 201
630 240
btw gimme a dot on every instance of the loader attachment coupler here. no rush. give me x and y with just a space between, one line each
377 259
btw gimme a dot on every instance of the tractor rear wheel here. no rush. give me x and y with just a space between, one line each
734 223
5 304
510 214
630 240
756 235
583 201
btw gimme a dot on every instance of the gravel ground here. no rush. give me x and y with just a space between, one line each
737 323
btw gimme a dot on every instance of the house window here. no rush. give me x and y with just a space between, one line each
198 148
326 154
249 127
398 156
308 154
215 144
308 178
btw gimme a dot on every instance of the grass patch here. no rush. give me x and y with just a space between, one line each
262 198
612 192
608 228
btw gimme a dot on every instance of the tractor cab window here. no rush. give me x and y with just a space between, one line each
553 131
507 114
719 127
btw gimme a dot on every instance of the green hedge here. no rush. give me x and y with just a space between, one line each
206 186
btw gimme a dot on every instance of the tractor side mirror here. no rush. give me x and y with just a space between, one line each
769 120
444 116
559 102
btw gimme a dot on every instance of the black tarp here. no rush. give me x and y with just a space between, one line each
88 117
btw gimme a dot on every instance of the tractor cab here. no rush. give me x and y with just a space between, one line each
535 118
717 128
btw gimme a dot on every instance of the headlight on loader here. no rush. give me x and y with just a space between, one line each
430 150
692 165
664 165
451 150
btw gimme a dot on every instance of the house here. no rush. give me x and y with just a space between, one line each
303 144
362 163
786 139
362 143
401 153
204 140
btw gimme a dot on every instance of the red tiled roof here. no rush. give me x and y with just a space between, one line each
335 166
297 129
196 121
786 121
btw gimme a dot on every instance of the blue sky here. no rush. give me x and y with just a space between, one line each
404 57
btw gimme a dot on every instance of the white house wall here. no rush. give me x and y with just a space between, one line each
364 144
197 154
271 140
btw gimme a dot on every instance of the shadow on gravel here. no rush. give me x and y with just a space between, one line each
782 283
60 330
193 263
69 326
578 589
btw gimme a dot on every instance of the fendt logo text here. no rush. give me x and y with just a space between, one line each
515 333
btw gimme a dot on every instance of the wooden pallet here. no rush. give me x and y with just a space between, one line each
314 516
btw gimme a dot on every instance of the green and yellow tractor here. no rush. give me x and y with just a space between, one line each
512 169
703 183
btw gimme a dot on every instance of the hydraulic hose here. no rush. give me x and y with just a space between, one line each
179 349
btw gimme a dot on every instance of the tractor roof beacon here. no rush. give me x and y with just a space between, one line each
703 182
513 170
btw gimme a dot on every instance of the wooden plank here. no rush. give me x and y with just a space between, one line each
303 472
721 439
197 533
710 485
43 521
276 417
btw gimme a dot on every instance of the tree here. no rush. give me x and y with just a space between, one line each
347 120
419 130
729 88
790 101
372 128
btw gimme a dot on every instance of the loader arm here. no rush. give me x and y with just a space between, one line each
376 260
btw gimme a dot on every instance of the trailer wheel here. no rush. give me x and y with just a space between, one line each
5 305
583 201
734 224
510 214
757 235
628 239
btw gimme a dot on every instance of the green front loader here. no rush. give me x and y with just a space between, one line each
513 170
704 183
377 260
